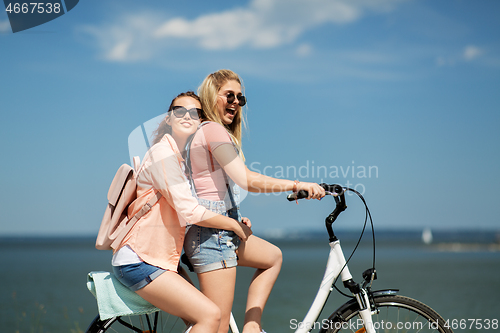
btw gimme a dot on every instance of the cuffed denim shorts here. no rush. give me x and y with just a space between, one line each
137 276
209 249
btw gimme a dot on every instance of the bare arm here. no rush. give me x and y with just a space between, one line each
213 220
256 182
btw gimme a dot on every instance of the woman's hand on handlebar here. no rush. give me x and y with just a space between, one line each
315 191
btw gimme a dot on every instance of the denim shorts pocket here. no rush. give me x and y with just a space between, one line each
192 241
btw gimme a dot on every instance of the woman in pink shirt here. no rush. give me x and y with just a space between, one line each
147 259
217 166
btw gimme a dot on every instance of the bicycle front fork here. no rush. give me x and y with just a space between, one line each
365 310
362 297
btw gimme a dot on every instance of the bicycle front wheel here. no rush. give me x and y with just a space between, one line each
159 322
394 314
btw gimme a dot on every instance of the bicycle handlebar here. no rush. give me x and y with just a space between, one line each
332 189
337 192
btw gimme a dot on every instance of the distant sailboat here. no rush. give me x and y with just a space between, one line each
427 236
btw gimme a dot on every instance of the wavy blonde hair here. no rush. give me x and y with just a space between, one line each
208 91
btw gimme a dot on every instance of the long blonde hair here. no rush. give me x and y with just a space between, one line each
208 95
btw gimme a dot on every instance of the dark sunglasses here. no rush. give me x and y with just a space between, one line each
180 111
241 99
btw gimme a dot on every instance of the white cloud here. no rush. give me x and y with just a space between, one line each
472 52
262 24
129 38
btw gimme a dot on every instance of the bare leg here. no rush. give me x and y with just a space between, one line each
218 286
267 258
172 294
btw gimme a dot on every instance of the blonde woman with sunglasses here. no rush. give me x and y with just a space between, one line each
217 169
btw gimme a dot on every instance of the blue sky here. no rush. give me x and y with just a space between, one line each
405 89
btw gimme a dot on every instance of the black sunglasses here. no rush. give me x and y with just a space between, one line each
180 111
241 99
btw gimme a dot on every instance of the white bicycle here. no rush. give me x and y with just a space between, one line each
366 311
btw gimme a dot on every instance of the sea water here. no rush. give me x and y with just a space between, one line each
44 280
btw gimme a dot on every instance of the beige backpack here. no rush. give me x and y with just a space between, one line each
115 224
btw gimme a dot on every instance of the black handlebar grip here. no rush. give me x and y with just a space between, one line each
300 195
333 188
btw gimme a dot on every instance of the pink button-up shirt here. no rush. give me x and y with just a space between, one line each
158 236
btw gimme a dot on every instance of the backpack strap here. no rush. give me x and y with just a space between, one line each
137 163
130 223
187 163
147 207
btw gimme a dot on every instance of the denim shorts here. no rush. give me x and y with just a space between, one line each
137 276
209 249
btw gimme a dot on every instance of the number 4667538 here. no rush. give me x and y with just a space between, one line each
479 324
34 7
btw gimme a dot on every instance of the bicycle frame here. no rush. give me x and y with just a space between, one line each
336 265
